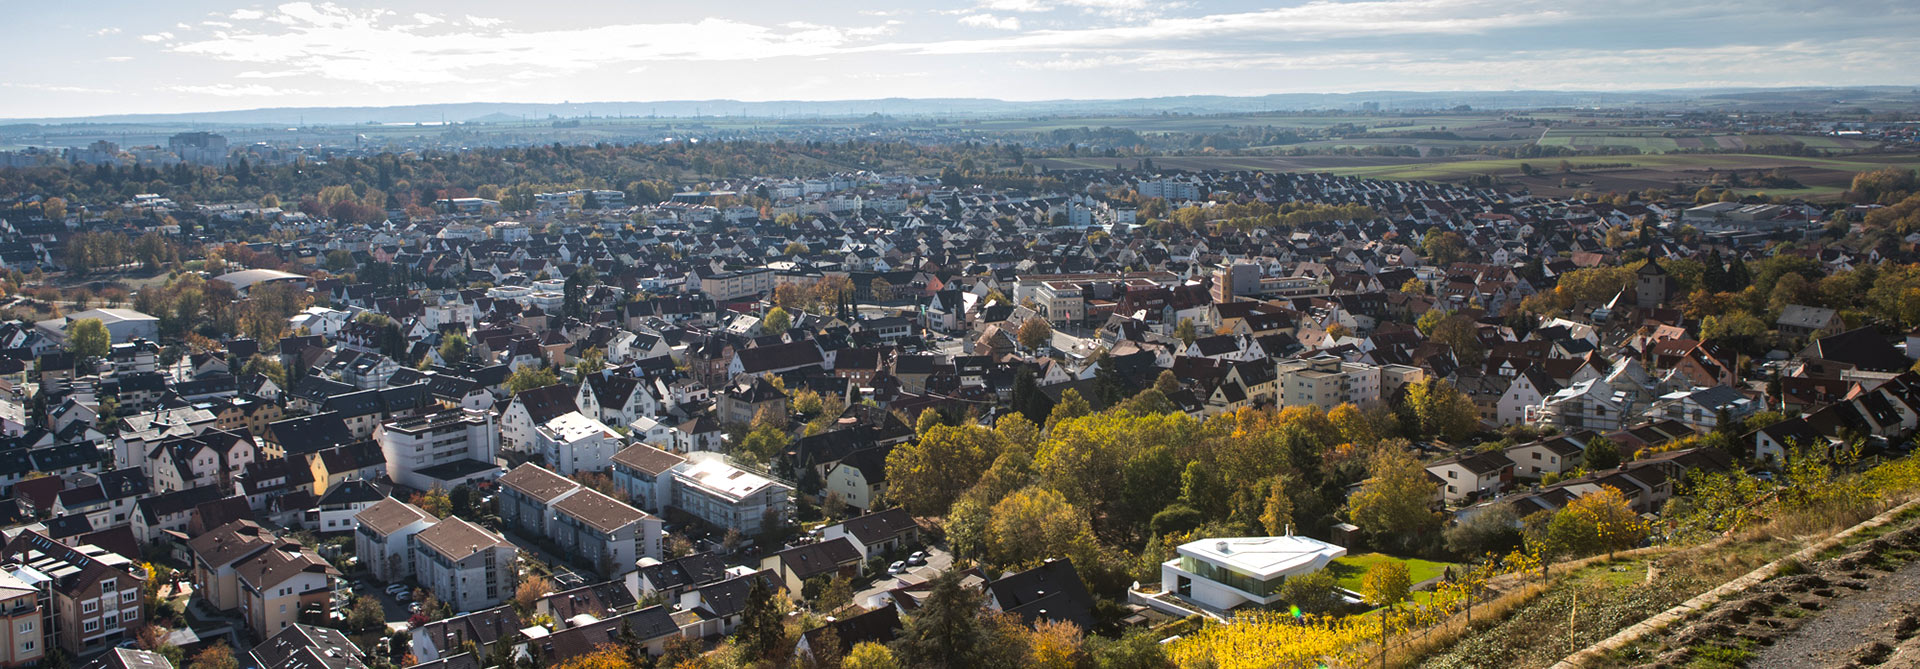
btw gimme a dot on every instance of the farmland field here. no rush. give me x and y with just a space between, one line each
1822 177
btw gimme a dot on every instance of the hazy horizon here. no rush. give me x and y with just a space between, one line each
85 59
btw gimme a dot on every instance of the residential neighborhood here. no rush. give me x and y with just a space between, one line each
789 417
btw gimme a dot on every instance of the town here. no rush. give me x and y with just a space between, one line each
986 417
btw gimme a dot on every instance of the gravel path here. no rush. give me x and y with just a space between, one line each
1842 633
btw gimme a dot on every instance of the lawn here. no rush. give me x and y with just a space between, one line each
1347 571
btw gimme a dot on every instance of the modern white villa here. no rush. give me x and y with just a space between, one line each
1226 573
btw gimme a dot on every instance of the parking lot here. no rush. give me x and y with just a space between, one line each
938 560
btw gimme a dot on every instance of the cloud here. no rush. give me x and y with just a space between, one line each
234 91
426 19
247 15
367 47
157 37
1015 6
483 21
56 88
216 24
103 32
118 59
991 21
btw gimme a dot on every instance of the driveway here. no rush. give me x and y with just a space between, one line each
938 560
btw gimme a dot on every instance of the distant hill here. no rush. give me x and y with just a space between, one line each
492 112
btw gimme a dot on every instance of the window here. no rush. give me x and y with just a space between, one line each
283 608
90 606
26 626
91 625
26 645
1453 474
129 596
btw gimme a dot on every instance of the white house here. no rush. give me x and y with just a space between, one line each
1227 573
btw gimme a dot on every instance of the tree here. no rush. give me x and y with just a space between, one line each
454 347
929 419
1312 592
1277 515
55 209
869 655
928 474
604 656
760 631
529 592
265 366
837 595
435 502
217 656
1071 406
529 377
590 362
1596 522
1034 524
1445 248
1386 583
365 614
1186 331
1463 336
1054 645
1139 649
87 338
1492 530
1414 286
1034 333
1166 383
947 631
881 290
1391 505
1438 409
776 321
1601 454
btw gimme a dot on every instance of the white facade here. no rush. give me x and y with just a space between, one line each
573 443
724 496
445 438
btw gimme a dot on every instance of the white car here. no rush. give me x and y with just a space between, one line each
897 568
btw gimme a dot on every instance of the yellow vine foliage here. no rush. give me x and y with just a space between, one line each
1263 640
1271 640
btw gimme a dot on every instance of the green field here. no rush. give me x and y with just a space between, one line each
1682 161
1348 571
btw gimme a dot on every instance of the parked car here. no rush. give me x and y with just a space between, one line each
917 558
396 589
897 568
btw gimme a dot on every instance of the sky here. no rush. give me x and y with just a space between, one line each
92 57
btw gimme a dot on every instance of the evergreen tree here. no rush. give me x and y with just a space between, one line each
1714 278
946 632
1027 398
760 628
1738 276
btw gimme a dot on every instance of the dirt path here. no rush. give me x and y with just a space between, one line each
1853 627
